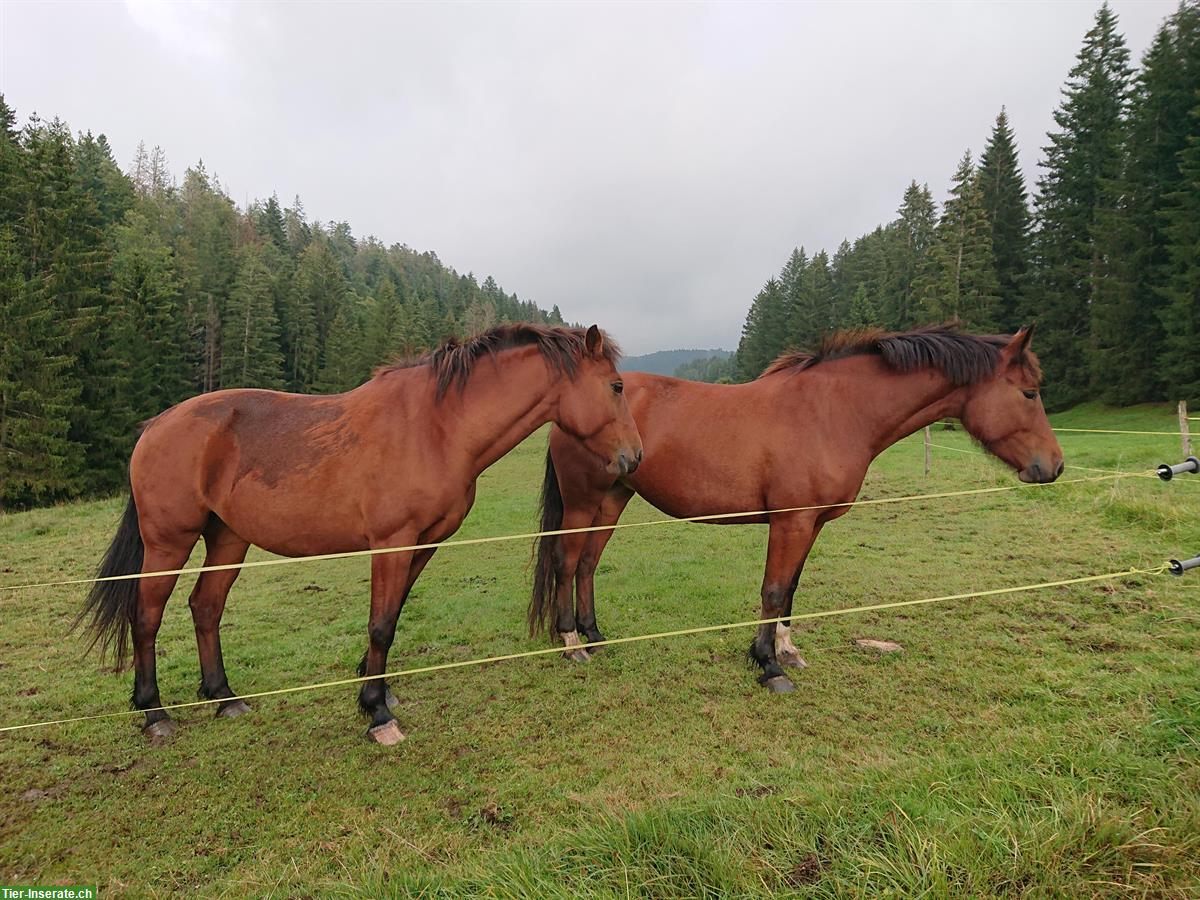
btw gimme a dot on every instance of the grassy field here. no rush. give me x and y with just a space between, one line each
1043 743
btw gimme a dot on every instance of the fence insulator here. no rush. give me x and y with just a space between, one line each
1179 566
1191 464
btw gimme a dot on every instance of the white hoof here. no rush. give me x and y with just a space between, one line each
388 733
575 649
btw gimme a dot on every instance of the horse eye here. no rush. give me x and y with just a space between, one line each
1029 395
618 387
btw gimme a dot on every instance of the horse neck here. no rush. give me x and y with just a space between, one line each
884 406
504 401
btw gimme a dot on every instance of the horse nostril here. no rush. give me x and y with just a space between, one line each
1058 470
638 458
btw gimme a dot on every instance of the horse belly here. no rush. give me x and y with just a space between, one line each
293 522
680 485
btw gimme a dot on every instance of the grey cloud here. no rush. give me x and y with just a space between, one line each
645 166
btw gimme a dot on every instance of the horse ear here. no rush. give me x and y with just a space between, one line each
594 342
1016 348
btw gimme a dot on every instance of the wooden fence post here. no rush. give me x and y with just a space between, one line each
927 460
1184 431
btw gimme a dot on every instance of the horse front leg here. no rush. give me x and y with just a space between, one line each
389 586
790 540
614 504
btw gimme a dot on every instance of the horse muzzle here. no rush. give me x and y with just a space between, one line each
626 463
1039 472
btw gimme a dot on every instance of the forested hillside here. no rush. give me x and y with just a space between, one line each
665 362
721 368
1107 260
123 293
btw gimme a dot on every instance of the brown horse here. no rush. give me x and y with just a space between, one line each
803 434
389 464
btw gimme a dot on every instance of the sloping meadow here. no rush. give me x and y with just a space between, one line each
1033 743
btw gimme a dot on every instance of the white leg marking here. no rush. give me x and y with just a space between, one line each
575 647
785 650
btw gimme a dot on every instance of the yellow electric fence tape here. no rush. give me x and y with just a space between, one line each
441 667
375 551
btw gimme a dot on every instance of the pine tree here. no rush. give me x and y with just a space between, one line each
959 281
343 368
68 260
1004 201
818 295
1080 186
206 255
384 333
37 456
862 312
1135 259
250 355
149 331
1179 358
917 229
764 331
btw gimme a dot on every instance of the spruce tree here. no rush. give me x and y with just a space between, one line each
862 312
1179 356
37 392
250 355
149 331
959 281
764 331
1136 261
1081 184
916 229
1004 200
344 368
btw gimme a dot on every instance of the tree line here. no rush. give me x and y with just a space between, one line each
123 293
1106 261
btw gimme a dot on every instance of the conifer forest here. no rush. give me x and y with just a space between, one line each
1102 253
123 292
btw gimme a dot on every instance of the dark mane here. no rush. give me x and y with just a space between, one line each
454 360
963 358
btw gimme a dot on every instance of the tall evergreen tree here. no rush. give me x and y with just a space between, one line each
916 230
37 393
149 331
1135 260
250 355
1004 200
1179 358
764 331
1080 187
959 281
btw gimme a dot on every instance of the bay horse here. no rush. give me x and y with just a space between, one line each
388 464
802 434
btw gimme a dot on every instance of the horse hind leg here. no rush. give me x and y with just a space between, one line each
153 594
207 601
570 548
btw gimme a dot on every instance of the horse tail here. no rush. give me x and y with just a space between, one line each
545 572
111 605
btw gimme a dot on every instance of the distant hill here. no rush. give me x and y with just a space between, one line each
665 362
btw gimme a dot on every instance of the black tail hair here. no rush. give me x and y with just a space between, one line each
111 605
545 572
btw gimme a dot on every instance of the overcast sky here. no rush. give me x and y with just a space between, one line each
645 166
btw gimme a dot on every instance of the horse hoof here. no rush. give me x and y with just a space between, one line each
233 710
577 655
391 700
388 733
780 684
792 660
160 730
